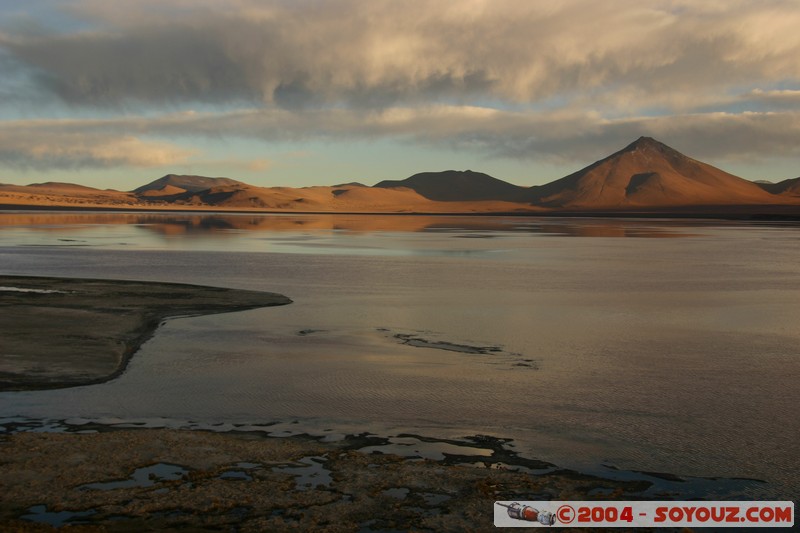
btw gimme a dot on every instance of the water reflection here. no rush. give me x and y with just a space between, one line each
190 224
642 353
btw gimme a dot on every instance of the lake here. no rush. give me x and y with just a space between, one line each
642 345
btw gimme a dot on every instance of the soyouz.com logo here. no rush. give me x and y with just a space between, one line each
644 514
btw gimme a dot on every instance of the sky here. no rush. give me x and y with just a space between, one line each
114 94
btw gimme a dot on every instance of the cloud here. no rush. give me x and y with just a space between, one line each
41 148
564 81
561 136
782 97
369 55
558 136
728 137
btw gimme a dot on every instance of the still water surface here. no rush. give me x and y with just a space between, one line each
647 345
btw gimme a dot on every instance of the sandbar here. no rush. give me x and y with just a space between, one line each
59 332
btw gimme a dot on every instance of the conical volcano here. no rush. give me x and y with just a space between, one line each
648 173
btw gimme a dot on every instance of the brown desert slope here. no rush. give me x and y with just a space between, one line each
63 194
58 189
458 186
57 186
345 198
647 173
166 190
790 187
243 196
406 200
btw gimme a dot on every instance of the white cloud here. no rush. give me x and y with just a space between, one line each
40 148
780 96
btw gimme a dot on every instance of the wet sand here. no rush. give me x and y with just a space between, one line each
58 332
146 479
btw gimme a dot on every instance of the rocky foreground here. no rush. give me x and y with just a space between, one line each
145 480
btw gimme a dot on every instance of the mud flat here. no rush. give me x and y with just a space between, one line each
153 479
58 332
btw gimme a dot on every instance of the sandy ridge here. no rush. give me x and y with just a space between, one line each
58 332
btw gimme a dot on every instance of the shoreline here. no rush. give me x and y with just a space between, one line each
127 477
755 212
67 332
196 479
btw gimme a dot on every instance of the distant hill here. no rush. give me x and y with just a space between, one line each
457 186
187 183
349 184
54 194
61 186
648 173
790 187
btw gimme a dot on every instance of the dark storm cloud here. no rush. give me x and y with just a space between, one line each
373 54
182 64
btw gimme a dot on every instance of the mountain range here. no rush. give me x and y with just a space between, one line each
646 175
790 187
